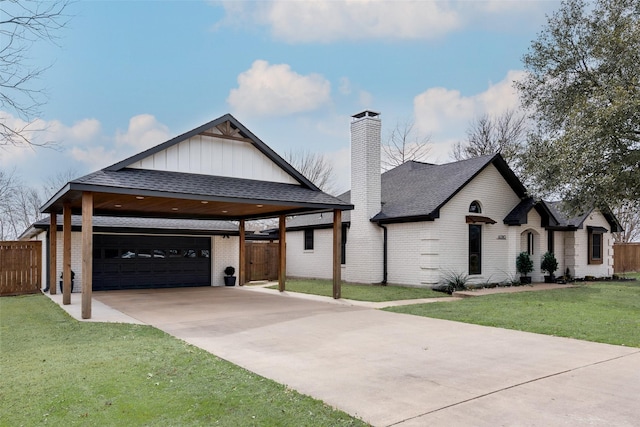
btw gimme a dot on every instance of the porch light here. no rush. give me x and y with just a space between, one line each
174 209
140 197
117 206
259 206
204 202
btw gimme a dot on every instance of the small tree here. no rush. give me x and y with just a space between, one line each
404 144
524 264
549 264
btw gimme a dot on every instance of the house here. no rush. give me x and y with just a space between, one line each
419 222
219 171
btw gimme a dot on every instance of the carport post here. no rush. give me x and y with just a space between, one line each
282 249
53 255
66 253
337 248
241 267
87 253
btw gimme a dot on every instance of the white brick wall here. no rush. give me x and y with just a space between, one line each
316 263
225 252
76 259
580 258
497 199
365 239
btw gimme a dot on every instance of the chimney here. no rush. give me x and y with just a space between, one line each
365 163
365 241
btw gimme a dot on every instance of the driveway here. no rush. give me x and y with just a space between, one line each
395 369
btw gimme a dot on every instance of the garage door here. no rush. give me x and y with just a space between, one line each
139 262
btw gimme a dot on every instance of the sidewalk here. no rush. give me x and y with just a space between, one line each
457 296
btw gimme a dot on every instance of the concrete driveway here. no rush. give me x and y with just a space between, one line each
394 369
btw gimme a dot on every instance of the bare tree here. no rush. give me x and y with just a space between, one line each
314 167
22 23
628 214
486 135
404 144
54 183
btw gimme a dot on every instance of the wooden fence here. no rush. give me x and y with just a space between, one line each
626 257
20 267
262 261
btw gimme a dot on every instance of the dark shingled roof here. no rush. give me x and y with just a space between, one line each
170 184
416 191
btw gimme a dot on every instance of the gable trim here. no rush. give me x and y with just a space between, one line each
243 131
503 168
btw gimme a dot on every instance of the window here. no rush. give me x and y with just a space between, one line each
474 207
530 243
596 244
475 249
308 240
550 242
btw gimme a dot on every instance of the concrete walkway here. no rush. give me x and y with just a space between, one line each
395 369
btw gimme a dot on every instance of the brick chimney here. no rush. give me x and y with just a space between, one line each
365 239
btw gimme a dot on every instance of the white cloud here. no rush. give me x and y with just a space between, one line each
331 20
271 90
144 132
446 113
40 132
325 21
440 109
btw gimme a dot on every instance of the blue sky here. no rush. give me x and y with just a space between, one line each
127 75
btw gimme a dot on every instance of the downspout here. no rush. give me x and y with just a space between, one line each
384 254
46 289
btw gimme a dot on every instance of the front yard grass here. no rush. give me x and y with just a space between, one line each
58 371
373 293
606 312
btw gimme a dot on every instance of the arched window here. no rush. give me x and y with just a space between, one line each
474 207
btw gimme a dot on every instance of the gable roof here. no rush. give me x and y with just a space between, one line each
566 222
230 127
119 190
519 214
415 191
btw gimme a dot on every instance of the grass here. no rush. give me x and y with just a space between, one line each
374 293
606 312
58 371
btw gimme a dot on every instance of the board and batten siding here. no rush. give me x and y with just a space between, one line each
209 155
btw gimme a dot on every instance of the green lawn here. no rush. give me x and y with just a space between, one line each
374 293
607 312
58 371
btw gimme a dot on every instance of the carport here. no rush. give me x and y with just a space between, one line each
218 171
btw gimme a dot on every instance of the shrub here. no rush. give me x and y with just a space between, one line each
524 264
549 263
454 281
229 271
